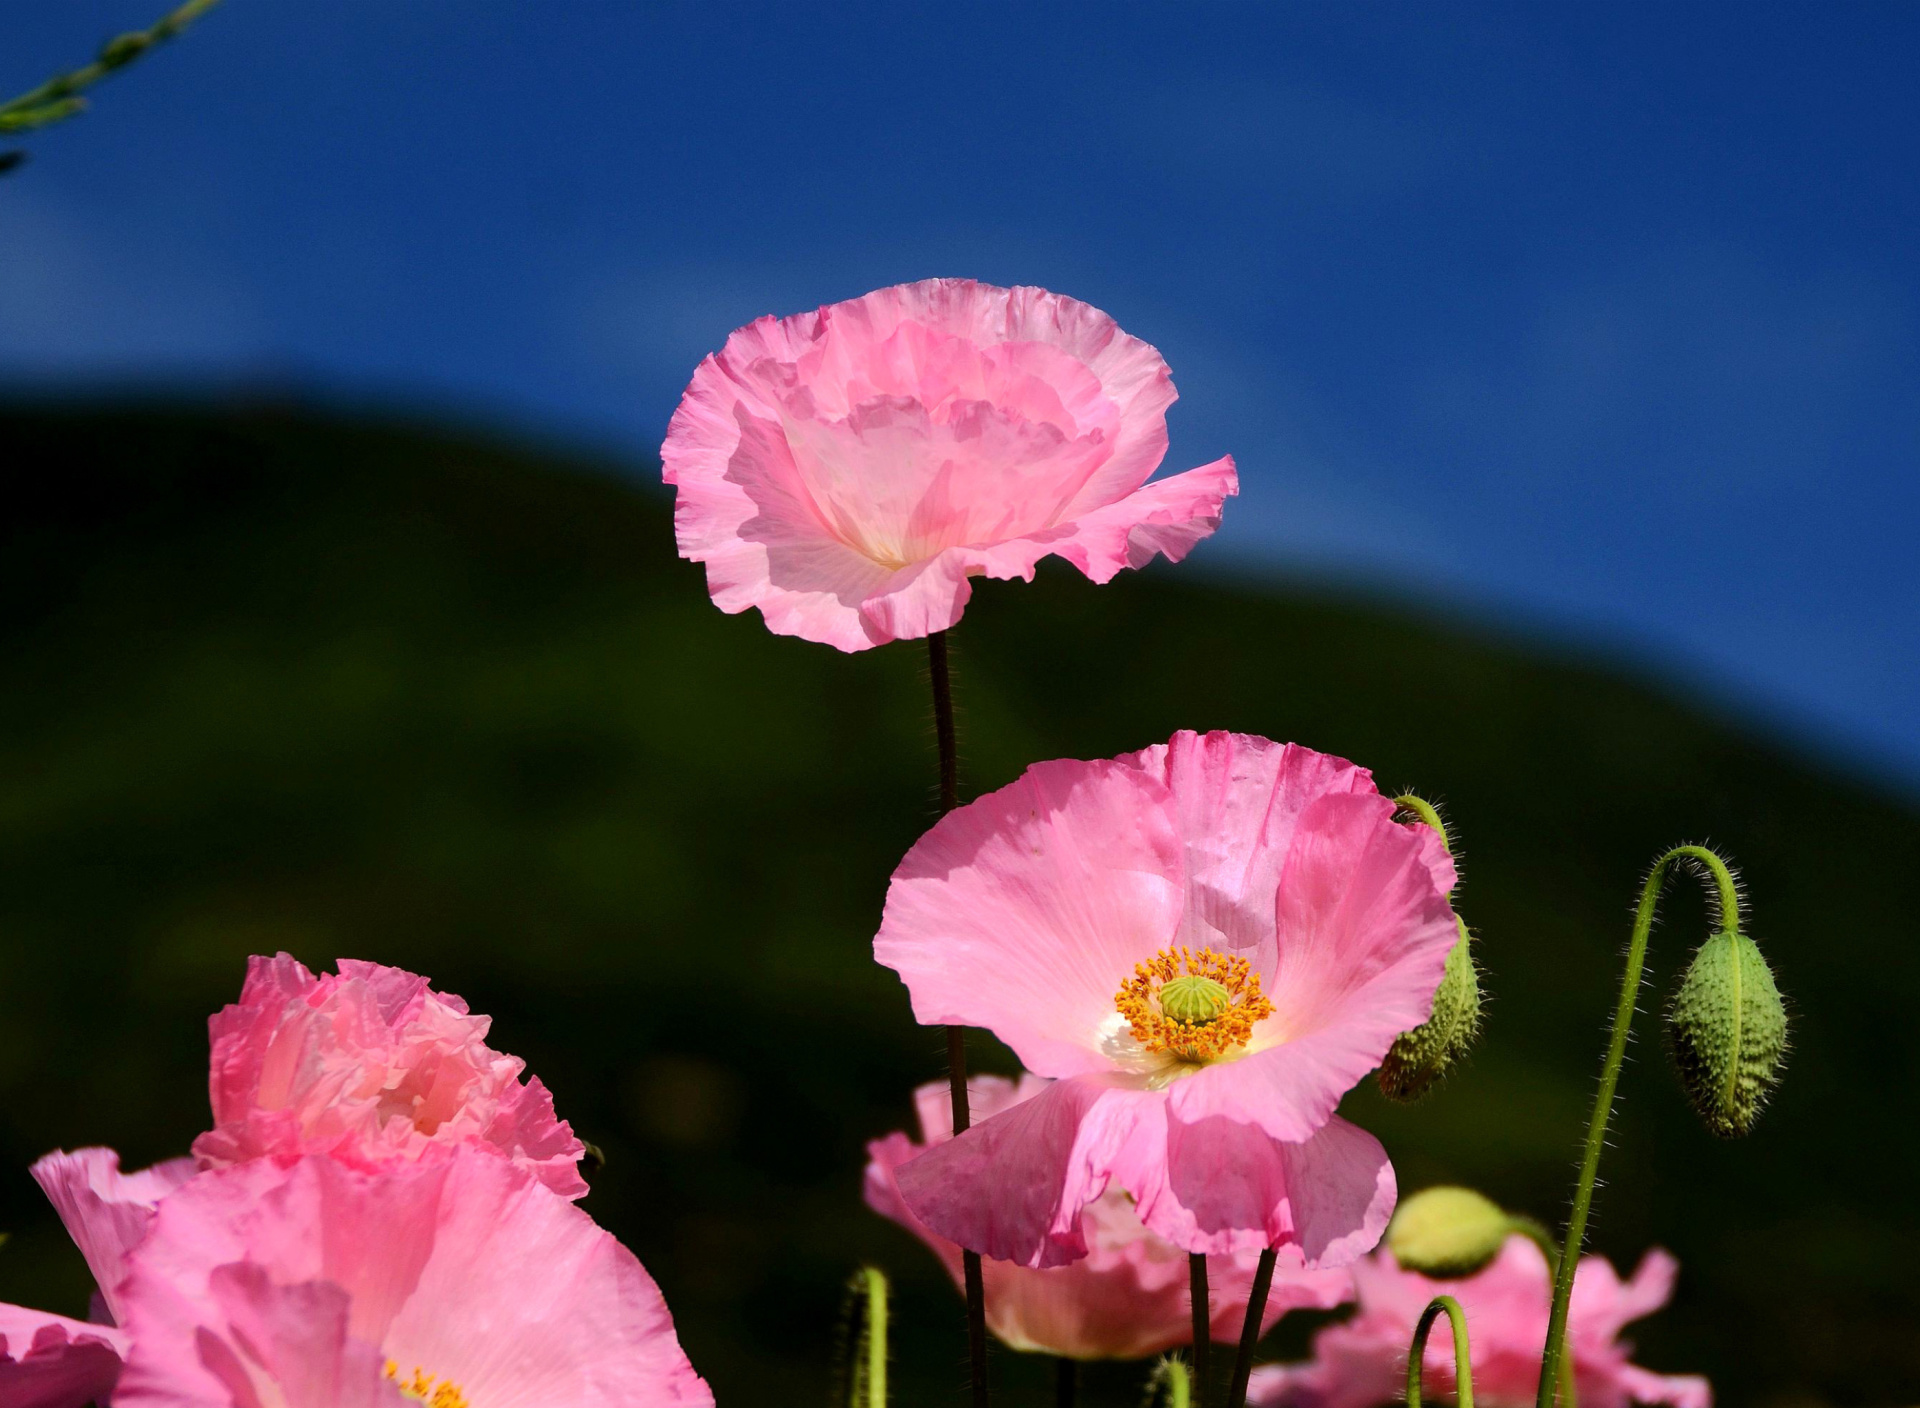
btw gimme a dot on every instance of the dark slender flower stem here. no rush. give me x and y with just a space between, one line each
1250 1331
1202 1321
1462 1353
61 97
1066 1382
941 676
1727 895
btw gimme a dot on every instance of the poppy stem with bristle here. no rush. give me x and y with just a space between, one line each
940 674
1726 896
1250 1332
1202 1319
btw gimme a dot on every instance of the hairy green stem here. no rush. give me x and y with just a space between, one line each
1462 1354
1202 1318
867 1354
1171 1375
1250 1330
61 96
1426 811
1727 895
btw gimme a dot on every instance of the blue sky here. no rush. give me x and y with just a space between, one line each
1603 320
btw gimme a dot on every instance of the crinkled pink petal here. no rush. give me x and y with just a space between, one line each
1362 1361
466 1268
1233 1187
847 471
1127 1298
49 1361
371 1065
106 1212
1015 1186
1025 910
1361 939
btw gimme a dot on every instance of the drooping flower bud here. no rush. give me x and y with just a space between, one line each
1728 1031
1419 1058
1447 1232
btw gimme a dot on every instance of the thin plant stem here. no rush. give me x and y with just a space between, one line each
1202 1320
939 672
1066 1382
1727 894
1462 1353
1250 1331
867 1350
1172 1376
62 96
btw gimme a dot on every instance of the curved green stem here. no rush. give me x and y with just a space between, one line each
1428 813
1462 1355
61 97
1727 894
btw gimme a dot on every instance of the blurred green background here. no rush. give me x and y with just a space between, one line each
276 679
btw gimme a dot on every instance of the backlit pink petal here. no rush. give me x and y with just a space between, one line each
301 1283
1361 937
106 1212
49 1361
1127 1298
1361 1363
847 471
1024 911
1027 911
371 1065
1234 1187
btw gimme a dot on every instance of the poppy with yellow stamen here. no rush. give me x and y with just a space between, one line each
1204 946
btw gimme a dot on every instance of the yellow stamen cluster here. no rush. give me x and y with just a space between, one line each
1218 1001
434 1392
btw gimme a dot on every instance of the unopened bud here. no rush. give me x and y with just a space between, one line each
1728 1031
1419 1058
1447 1232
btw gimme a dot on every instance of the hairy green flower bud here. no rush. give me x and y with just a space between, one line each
1447 1232
1419 1058
1728 1031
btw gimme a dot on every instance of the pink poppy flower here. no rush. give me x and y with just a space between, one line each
1362 1362
849 470
1128 1297
1061 912
48 1361
369 1066
462 1282
106 1211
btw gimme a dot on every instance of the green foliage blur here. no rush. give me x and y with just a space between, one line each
274 680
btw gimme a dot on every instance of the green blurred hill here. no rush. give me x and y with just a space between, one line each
270 679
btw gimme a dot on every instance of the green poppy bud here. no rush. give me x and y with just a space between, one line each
1419 1058
1447 1232
1728 1031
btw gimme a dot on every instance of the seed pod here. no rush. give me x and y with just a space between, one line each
1727 1029
1419 1058
1447 1232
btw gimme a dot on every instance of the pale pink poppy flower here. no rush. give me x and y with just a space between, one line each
848 471
1128 1297
1059 912
463 1282
49 1361
106 1212
1362 1362
369 1066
